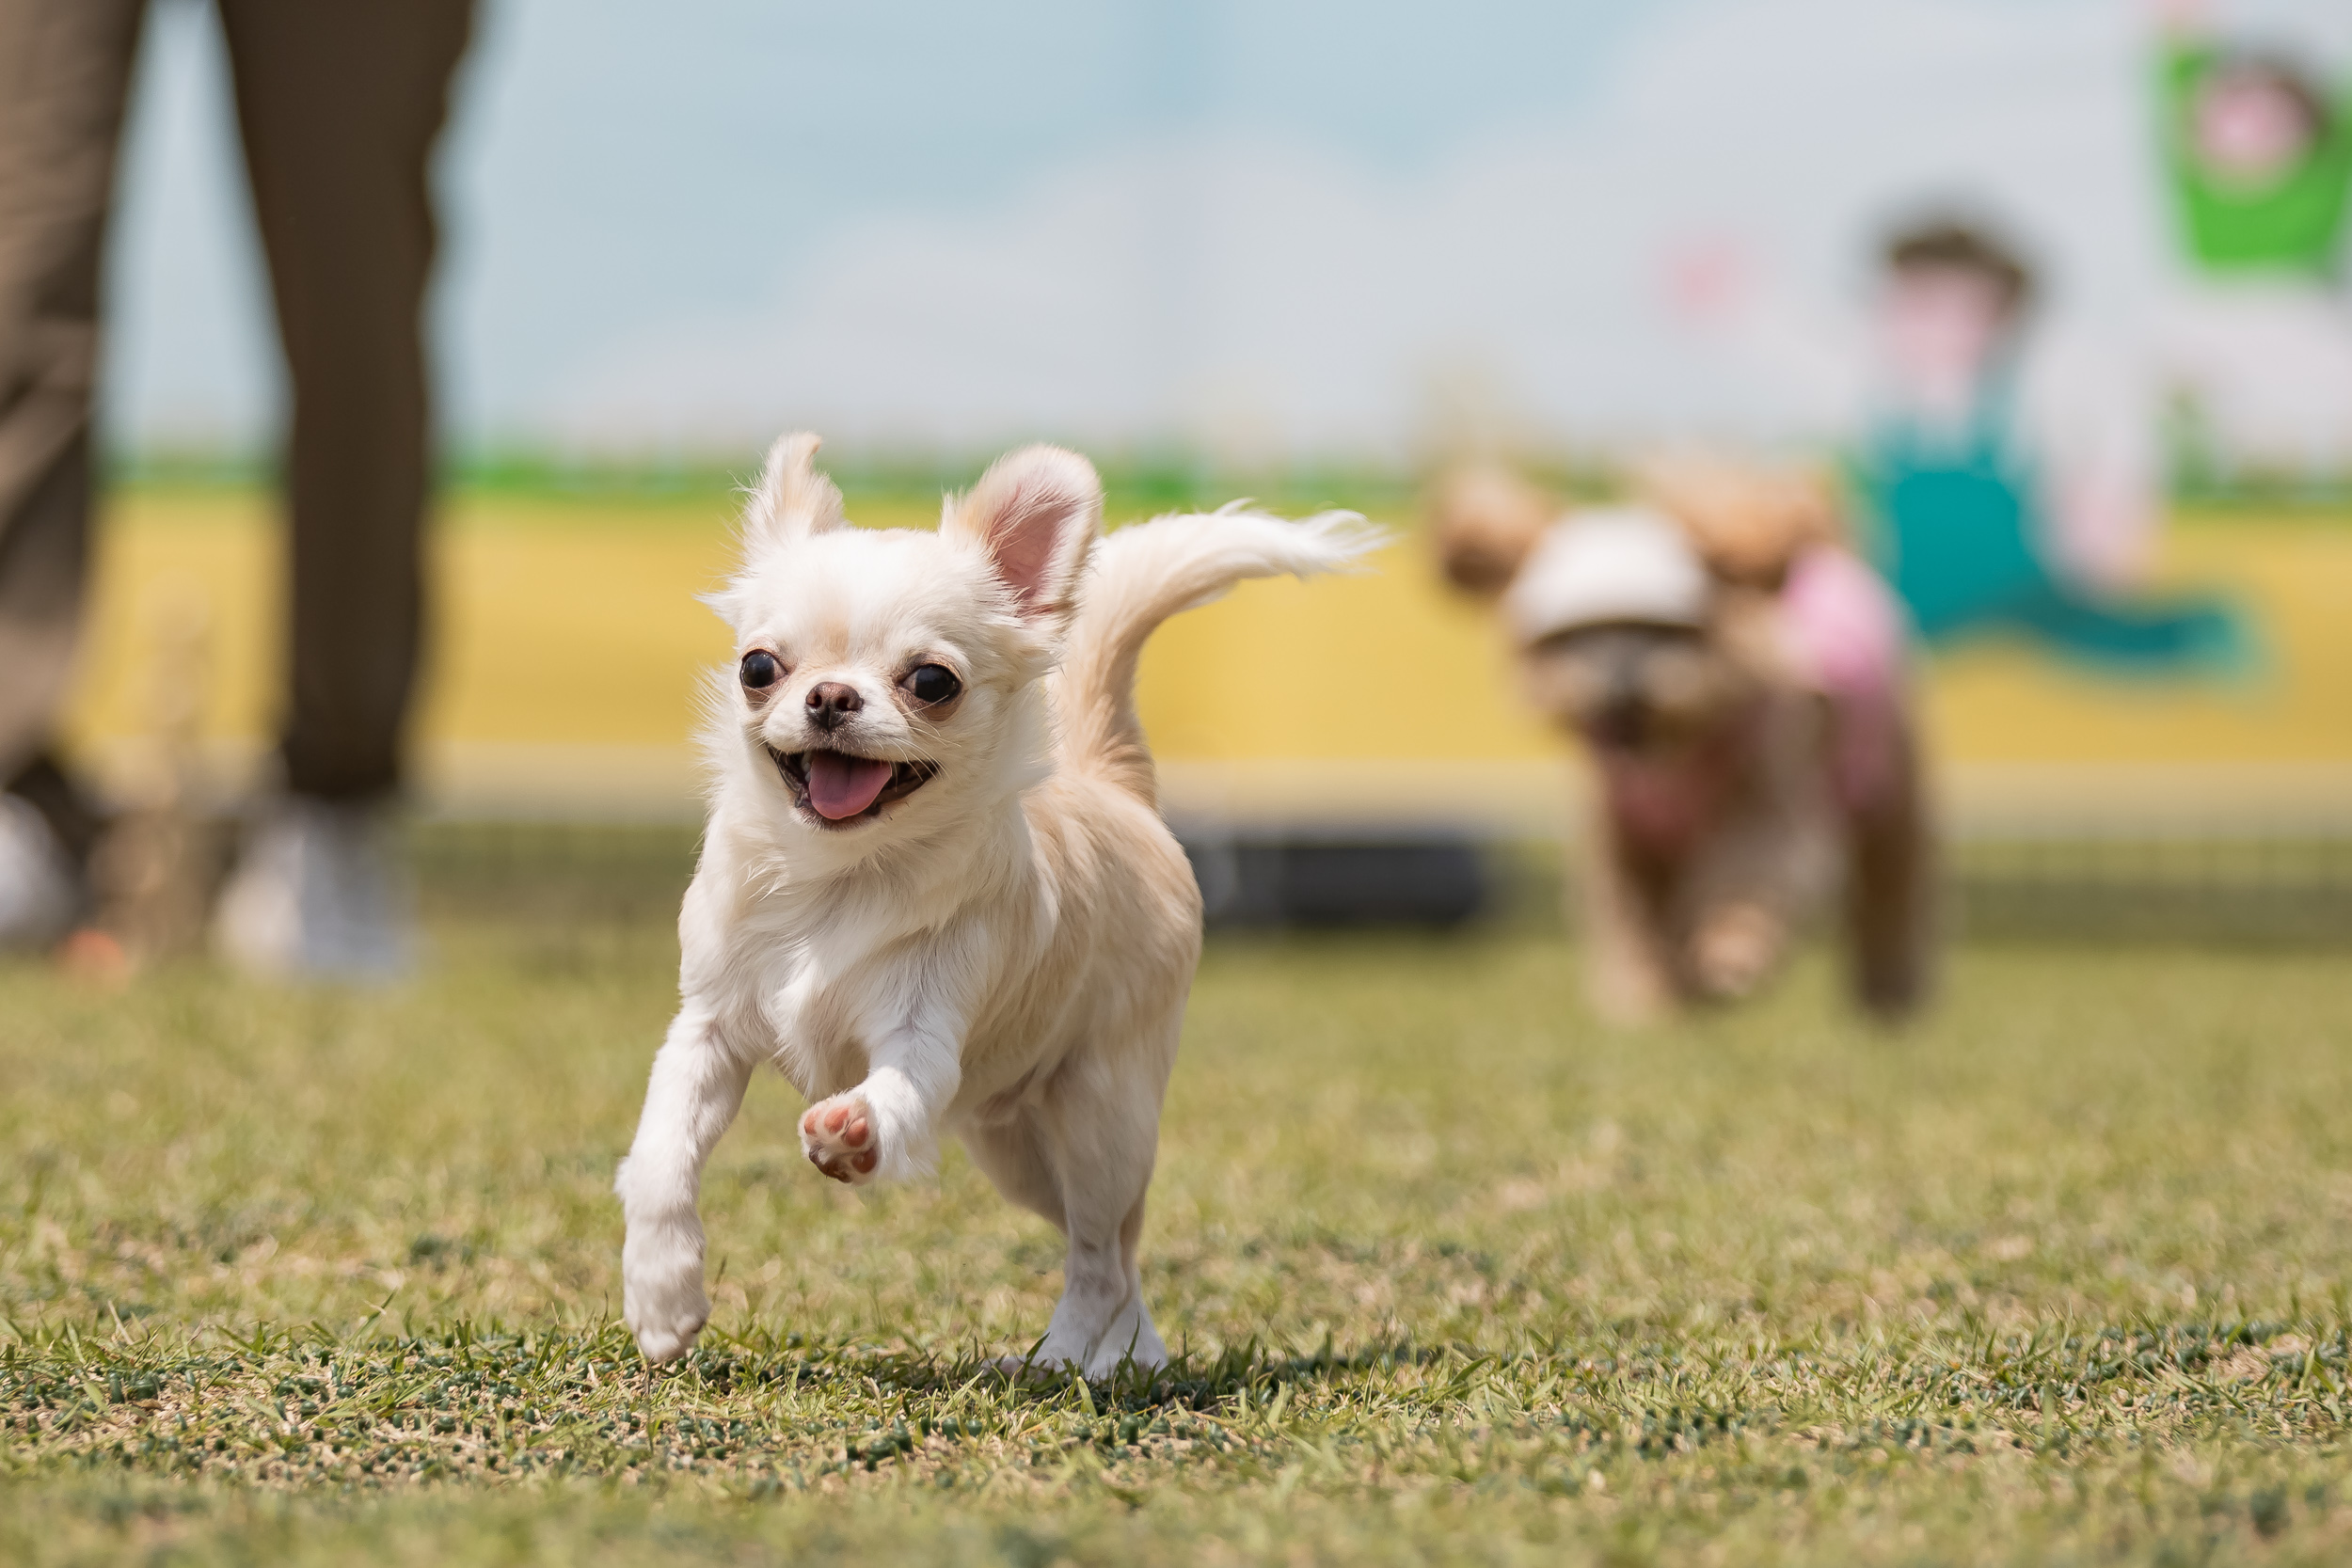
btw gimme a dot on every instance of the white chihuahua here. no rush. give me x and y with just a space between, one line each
935 890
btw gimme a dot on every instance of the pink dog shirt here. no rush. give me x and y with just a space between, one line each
1842 630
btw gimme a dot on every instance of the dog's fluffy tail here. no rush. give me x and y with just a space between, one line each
1141 575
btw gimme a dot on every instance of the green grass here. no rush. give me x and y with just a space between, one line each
2058 1276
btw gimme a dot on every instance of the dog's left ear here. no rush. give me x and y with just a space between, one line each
1036 513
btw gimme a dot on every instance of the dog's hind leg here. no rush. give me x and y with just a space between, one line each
1891 899
1132 1335
1087 1147
1011 1155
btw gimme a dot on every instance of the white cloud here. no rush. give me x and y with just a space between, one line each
1253 285
1259 294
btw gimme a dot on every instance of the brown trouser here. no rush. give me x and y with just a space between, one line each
338 103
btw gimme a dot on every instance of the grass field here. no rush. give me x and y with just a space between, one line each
2060 1275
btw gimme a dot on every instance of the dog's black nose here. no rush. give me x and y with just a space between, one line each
1623 722
830 701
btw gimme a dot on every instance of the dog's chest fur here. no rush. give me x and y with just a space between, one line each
806 972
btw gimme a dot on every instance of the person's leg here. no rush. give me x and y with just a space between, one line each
2173 635
340 106
65 70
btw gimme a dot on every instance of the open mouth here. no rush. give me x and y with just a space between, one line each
841 789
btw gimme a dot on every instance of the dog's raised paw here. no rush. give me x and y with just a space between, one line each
1736 948
838 1137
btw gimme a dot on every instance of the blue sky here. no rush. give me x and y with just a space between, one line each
608 162
1293 223
694 153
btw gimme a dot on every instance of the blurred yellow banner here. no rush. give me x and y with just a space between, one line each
567 645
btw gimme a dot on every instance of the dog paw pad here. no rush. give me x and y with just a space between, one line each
837 1136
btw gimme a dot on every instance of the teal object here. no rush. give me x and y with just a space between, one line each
1959 519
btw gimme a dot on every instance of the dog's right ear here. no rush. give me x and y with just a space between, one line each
792 499
1487 519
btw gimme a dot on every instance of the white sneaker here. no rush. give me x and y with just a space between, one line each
316 895
40 895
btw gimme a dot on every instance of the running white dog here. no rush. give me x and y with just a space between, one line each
935 890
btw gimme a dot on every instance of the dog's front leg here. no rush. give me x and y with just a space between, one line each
1627 974
697 1086
888 1126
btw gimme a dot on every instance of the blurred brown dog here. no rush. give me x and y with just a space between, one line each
1737 678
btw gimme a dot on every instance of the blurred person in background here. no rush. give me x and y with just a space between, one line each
338 106
2006 478
2001 501
2256 141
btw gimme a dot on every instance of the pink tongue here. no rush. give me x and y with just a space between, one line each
840 787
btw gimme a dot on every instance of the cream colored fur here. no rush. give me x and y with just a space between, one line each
1001 956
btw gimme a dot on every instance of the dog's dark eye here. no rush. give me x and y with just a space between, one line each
760 670
933 683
